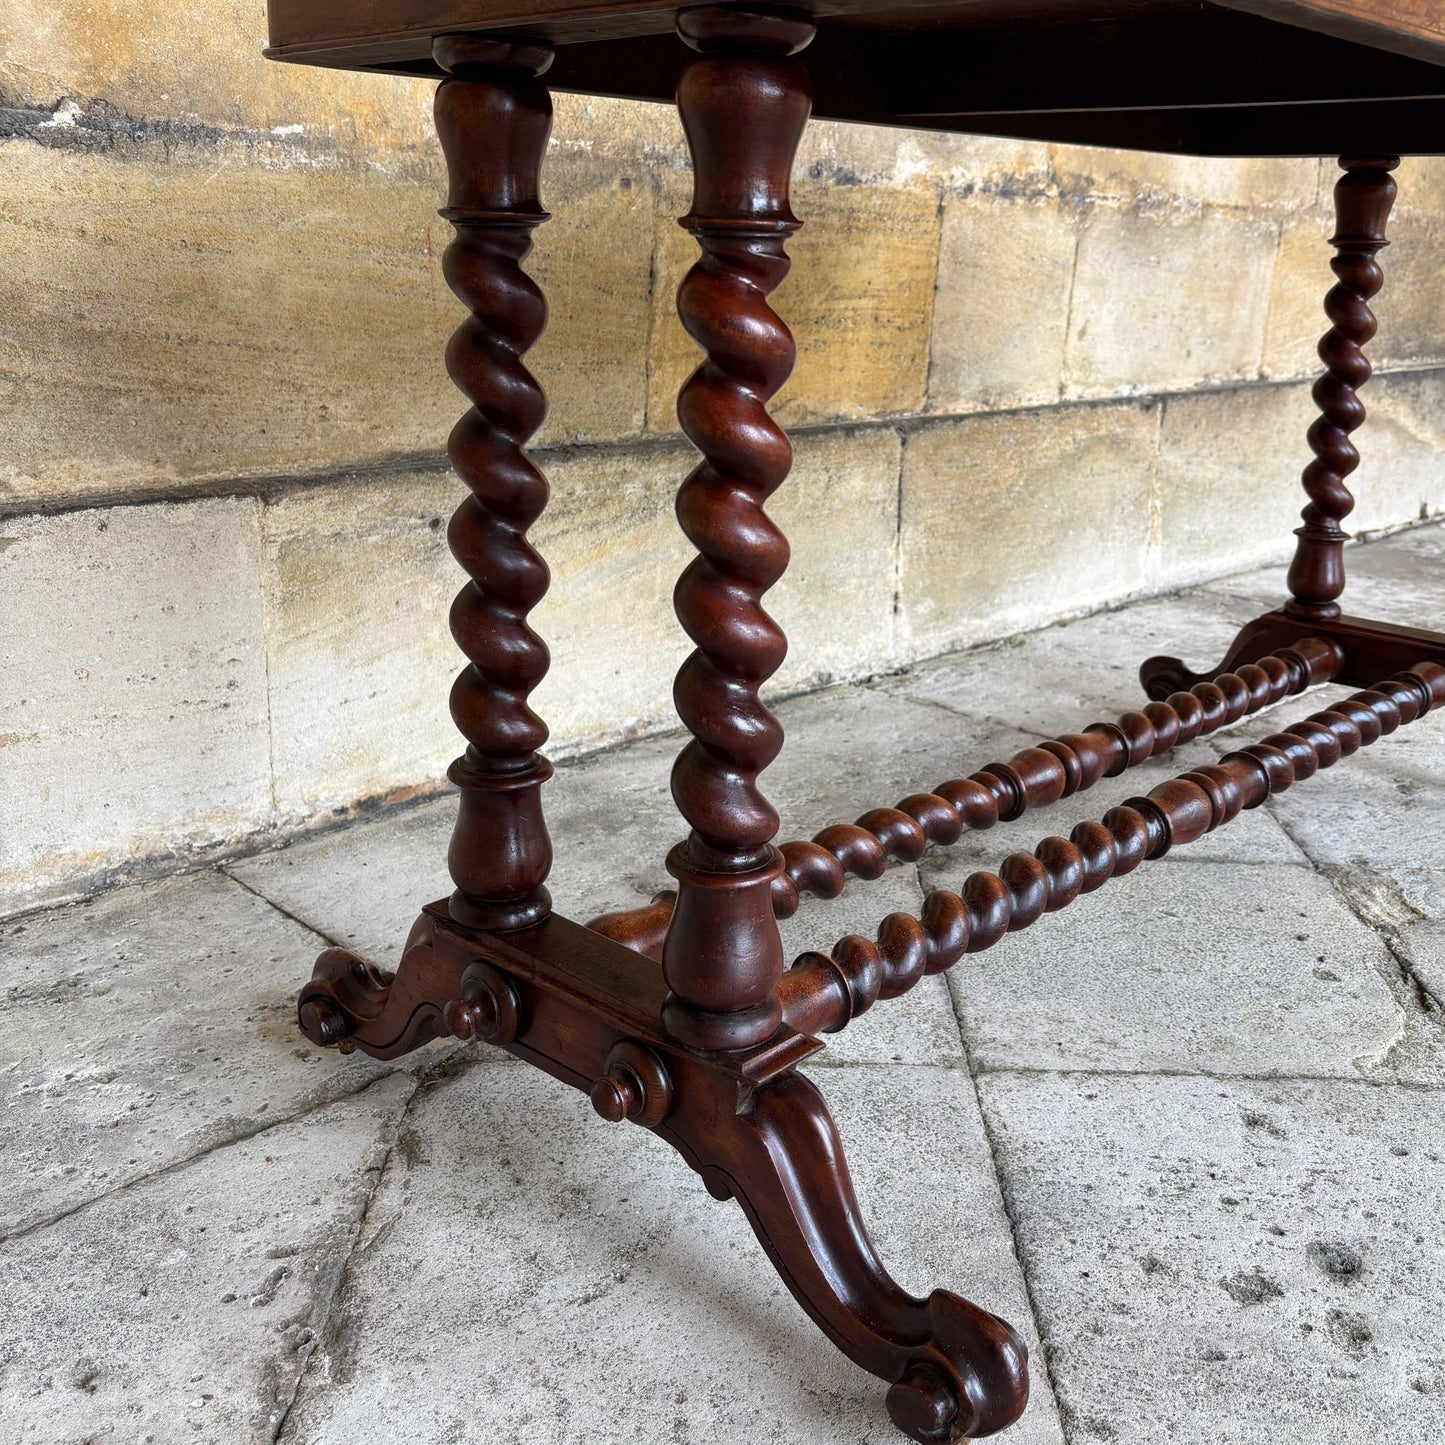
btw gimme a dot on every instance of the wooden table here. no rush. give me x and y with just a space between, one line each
704 1048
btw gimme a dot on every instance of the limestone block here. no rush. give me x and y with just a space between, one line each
133 720
200 65
1401 477
1012 520
1243 183
197 70
1411 305
174 320
1229 493
859 301
1001 312
1297 285
961 163
1166 299
359 580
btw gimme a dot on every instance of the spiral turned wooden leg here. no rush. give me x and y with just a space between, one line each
743 104
1363 198
493 117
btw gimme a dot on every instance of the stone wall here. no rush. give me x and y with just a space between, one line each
1032 381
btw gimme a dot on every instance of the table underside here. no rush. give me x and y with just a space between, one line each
1300 77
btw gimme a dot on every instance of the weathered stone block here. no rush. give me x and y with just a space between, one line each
1254 183
1009 521
1167 299
359 580
198 69
859 301
1230 465
1271 1249
1298 282
1001 312
201 66
294 319
1229 493
1400 477
133 720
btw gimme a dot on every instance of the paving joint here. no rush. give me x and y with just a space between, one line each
328 1332
176 1166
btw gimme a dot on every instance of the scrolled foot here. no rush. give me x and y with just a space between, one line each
352 1004
976 1384
954 1370
1270 633
1162 676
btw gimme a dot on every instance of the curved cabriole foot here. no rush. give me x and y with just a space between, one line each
955 1370
350 1004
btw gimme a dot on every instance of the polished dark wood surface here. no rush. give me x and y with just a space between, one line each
681 1017
493 117
743 104
1364 195
1212 77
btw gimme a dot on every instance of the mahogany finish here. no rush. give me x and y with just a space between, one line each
493 117
1002 792
704 1048
743 104
1204 77
1363 197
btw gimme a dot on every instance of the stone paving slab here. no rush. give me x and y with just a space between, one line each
1210 968
1423 948
185 1307
361 886
145 1027
1233 1262
1383 807
1062 678
530 1274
